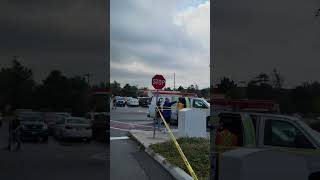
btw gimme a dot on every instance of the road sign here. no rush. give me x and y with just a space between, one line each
158 81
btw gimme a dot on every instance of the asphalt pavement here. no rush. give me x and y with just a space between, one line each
128 161
54 160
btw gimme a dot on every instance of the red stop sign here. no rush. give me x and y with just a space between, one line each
158 81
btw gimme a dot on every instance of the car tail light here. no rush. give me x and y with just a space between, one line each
68 127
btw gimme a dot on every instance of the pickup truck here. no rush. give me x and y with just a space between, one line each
284 133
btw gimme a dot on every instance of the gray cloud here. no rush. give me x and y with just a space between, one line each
256 36
68 35
145 33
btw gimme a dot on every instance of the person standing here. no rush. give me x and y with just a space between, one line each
8 118
114 103
15 128
224 136
180 106
166 111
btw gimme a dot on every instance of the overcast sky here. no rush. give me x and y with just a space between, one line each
253 36
68 35
160 37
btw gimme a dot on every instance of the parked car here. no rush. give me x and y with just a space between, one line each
120 101
73 128
52 117
272 131
133 102
100 124
144 101
33 126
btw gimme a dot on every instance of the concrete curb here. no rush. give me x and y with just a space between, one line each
176 172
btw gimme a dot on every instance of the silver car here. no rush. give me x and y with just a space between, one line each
73 127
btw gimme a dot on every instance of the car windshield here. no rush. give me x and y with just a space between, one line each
315 134
77 121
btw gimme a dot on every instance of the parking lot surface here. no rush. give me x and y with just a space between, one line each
127 159
54 160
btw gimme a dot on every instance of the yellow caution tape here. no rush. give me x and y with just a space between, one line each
185 160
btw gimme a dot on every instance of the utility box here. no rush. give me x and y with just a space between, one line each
192 123
262 164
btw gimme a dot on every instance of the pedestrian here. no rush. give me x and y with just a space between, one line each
167 111
180 106
225 137
114 103
158 116
9 118
16 129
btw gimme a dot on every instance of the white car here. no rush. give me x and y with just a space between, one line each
133 102
73 127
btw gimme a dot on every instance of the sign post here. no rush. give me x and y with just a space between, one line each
158 82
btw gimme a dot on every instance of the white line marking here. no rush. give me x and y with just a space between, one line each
120 129
131 123
119 138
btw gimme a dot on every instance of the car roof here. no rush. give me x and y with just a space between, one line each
263 114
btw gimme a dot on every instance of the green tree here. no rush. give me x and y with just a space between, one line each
131 91
180 88
226 84
260 88
115 88
17 85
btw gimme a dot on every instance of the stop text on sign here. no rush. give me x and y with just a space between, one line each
160 82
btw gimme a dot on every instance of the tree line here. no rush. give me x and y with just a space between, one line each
133 91
55 93
304 98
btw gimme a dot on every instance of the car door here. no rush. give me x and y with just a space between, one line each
281 133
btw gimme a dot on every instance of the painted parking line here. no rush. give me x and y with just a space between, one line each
134 124
119 138
120 129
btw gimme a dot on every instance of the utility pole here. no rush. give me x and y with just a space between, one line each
174 81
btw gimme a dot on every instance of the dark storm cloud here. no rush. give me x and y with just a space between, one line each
251 36
70 35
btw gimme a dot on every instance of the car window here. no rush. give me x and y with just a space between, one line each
198 103
284 134
60 120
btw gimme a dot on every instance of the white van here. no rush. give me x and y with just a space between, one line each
191 102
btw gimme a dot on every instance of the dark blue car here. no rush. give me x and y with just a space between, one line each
33 126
